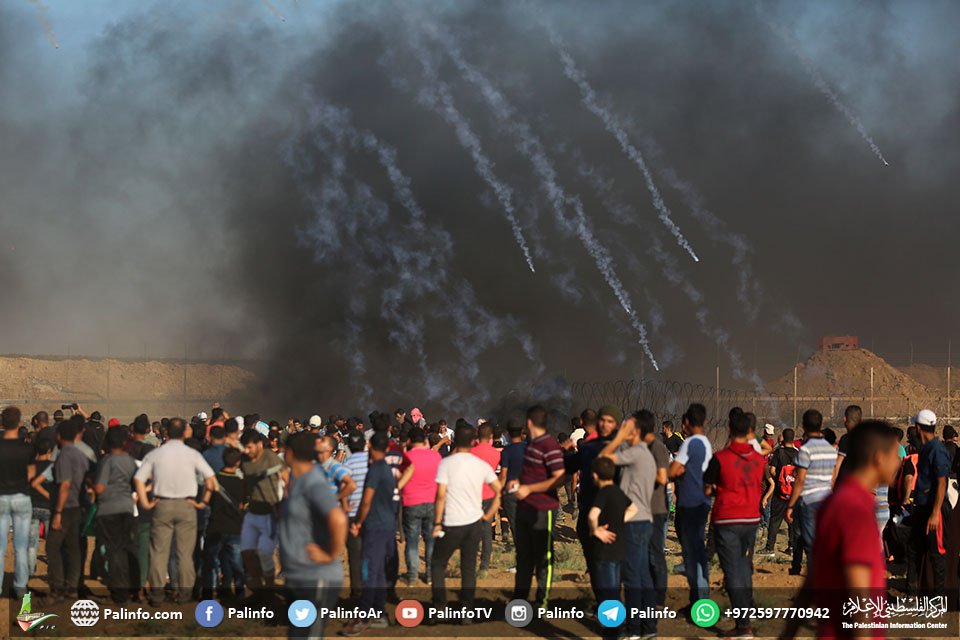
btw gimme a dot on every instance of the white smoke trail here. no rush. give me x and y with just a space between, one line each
354 353
674 275
749 290
615 128
356 213
273 10
439 99
337 122
44 18
529 145
821 83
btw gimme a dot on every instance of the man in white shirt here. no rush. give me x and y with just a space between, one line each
173 469
459 515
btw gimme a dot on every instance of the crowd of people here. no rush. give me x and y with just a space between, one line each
179 510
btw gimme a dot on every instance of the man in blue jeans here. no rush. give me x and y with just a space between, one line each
418 491
813 481
377 523
693 506
735 476
660 508
16 509
631 454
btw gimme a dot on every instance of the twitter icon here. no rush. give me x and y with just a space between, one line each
302 613
611 613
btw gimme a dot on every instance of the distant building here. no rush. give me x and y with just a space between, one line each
838 343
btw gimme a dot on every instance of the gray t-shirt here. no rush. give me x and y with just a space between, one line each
304 520
639 476
116 473
661 455
71 465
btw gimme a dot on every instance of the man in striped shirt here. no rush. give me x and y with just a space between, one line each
356 465
813 483
341 482
536 492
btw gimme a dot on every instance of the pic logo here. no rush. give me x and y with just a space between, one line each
705 612
28 619
409 613
209 613
611 613
85 613
302 613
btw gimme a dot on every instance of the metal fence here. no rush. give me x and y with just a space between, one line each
668 399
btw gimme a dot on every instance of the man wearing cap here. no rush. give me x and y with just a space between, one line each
769 433
93 433
928 522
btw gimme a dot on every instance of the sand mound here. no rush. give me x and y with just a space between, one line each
119 387
932 377
843 373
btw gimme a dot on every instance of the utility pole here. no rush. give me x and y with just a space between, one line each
794 396
716 411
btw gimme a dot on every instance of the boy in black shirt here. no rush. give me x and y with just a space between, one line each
222 542
611 509
779 477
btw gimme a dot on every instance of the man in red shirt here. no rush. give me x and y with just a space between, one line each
735 476
485 450
847 557
536 491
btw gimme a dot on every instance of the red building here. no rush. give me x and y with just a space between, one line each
838 343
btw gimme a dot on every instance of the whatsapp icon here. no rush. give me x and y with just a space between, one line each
705 612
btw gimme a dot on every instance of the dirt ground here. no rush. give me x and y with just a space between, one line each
771 582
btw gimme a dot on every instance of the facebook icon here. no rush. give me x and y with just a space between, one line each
209 613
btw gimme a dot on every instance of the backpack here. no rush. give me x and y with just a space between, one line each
785 481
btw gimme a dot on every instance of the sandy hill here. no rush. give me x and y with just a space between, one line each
932 377
119 387
847 373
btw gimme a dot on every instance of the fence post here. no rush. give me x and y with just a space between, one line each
794 395
716 411
871 392
949 414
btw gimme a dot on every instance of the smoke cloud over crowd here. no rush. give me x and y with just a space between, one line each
452 203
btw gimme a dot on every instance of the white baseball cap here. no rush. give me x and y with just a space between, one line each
769 429
925 418
202 415
315 421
